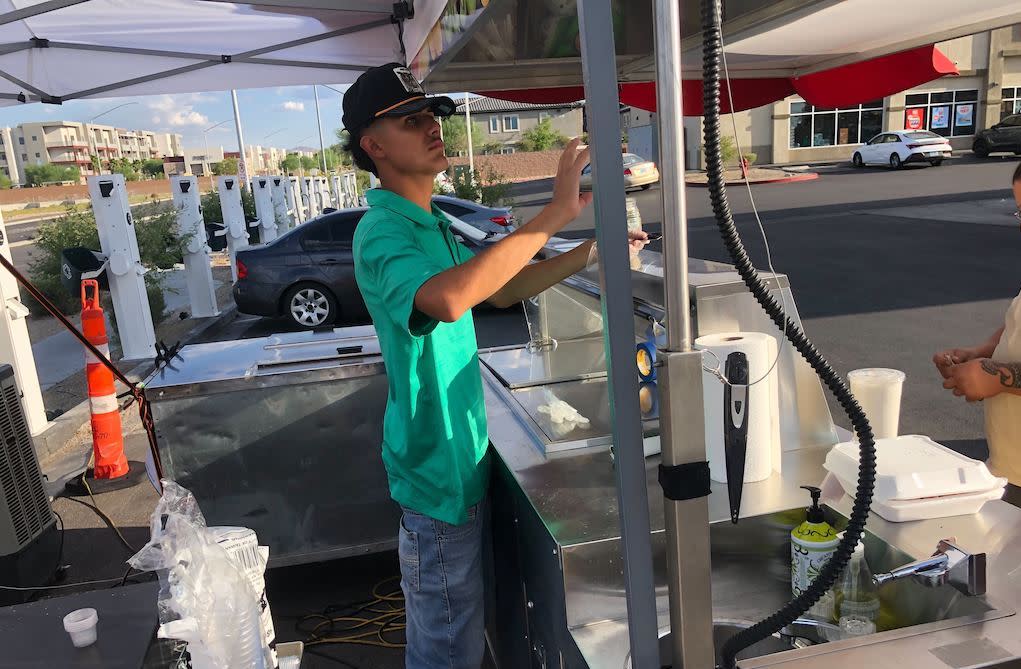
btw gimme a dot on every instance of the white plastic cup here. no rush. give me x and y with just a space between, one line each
878 391
81 625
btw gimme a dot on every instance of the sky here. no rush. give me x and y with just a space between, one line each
282 117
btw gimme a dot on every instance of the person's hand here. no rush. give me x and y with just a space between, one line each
637 240
944 360
568 200
973 381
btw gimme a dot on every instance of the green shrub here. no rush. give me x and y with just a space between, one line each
37 175
750 158
212 213
5 182
490 190
728 149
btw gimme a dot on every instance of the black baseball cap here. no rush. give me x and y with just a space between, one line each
389 90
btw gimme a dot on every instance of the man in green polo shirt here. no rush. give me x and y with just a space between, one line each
420 286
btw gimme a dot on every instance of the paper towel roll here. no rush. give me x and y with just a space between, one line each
762 402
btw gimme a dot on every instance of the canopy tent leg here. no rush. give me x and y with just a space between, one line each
600 75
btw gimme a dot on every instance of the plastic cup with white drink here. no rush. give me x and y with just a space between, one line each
878 391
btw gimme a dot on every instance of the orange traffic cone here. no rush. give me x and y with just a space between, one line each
107 436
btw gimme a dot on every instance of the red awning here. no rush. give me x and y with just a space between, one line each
839 87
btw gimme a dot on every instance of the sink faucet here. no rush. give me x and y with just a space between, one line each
950 564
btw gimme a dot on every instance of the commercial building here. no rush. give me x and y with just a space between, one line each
504 123
793 131
72 144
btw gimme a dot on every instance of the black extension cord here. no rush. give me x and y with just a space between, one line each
712 47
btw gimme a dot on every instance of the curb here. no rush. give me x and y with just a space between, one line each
73 423
807 176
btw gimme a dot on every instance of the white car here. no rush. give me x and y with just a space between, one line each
899 147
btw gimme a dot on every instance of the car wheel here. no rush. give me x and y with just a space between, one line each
857 160
895 162
310 305
935 163
980 149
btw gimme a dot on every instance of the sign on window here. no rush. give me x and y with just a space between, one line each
914 118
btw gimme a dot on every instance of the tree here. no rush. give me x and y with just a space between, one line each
152 168
291 163
308 163
5 182
97 165
543 137
126 167
455 136
37 175
225 167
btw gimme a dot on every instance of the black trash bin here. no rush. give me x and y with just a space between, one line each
76 261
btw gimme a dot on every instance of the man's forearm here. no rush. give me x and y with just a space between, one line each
986 349
1009 374
537 277
451 293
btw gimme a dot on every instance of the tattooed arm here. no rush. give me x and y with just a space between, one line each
1009 374
982 378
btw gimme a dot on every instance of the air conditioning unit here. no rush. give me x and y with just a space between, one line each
29 543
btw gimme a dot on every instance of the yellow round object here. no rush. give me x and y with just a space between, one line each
644 360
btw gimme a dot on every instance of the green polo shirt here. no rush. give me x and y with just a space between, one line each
434 433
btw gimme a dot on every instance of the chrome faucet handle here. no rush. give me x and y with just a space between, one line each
949 565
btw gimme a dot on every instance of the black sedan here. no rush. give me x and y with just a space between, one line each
307 274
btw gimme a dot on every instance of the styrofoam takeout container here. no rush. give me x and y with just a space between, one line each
912 467
900 511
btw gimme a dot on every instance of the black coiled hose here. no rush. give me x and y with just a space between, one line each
712 47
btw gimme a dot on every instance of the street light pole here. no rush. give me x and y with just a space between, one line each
92 140
468 128
319 122
242 165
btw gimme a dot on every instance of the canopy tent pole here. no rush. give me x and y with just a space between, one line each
600 75
682 430
242 163
468 133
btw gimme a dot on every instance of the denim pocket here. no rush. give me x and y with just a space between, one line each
407 550
447 531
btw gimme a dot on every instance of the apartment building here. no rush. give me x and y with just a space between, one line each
504 123
987 90
71 144
169 145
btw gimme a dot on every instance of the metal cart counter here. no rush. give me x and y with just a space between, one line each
559 591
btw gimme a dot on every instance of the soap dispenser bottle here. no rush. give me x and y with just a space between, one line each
813 542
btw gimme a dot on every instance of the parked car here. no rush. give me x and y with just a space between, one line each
638 173
487 219
307 274
1004 136
900 147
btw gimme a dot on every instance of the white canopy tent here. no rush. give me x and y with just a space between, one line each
59 50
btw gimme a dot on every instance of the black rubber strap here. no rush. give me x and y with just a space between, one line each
688 481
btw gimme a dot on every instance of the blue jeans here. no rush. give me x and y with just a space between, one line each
441 576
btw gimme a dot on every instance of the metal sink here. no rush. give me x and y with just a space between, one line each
751 579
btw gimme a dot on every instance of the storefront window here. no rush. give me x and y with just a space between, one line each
946 113
825 126
1011 102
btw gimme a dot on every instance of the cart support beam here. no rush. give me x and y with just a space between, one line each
600 76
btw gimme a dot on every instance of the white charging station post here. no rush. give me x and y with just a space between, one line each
338 192
278 191
306 198
233 218
198 270
324 188
317 195
290 188
262 188
15 345
126 273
